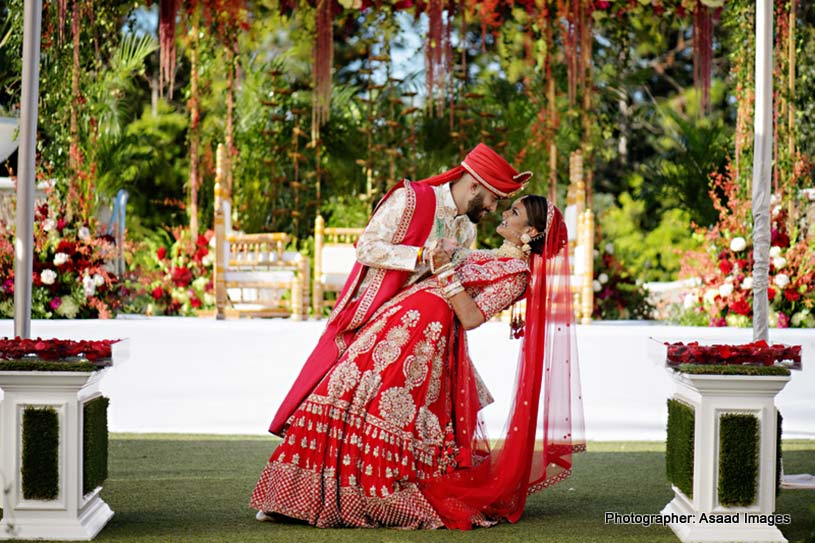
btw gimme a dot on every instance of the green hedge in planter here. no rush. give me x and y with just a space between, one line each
722 369
738 459
45 365
95 444
679 448
40 453
779 420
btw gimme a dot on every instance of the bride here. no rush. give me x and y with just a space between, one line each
391 436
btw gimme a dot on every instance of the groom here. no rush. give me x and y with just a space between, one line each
393 251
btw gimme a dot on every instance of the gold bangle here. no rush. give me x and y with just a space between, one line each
419 256
454 289
444 268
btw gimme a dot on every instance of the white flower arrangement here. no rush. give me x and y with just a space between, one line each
747 283
738 244
779 262
603 278
726 289
48 277
84 233
60 259
781 280
88 286
48 225
775 251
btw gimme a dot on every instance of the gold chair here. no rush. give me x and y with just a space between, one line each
254 274
334 257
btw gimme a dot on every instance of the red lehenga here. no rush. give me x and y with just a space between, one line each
391 435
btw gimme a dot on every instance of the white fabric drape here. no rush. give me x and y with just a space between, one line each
762 167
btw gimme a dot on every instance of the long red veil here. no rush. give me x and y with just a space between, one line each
545 422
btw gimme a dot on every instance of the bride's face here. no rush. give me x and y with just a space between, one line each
514 222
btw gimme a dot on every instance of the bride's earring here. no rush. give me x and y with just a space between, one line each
525 239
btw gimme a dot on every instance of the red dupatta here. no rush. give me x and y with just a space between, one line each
350 312
545 422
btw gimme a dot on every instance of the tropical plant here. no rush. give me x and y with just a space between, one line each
148 159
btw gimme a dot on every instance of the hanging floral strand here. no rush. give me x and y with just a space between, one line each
167 12
434 52
702 53
448 59
323 61
576 15
62 11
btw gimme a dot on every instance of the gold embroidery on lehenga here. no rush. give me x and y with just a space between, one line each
396 406
428 427
434 386
388 351
368 388
344 377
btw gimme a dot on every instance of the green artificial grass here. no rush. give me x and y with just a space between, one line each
40 470
738 459
721 369
196 489
680 445
46 365
95 446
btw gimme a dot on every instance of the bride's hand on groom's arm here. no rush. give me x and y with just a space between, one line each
441 253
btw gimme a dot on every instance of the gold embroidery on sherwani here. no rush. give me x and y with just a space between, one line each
379 274
376 250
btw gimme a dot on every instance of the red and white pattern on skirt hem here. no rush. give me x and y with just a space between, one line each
301 494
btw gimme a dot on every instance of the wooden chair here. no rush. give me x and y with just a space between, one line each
254 274
334 257
260 273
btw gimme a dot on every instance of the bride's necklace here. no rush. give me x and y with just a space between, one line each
509 250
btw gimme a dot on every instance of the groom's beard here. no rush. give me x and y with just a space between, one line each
475 209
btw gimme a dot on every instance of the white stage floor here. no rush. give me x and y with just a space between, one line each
193 375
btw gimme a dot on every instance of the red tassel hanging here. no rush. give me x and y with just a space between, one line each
434 52
702 53
167 12
62 10
323 62
568 10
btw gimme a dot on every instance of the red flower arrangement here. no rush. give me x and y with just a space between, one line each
758 353
97 352
175 280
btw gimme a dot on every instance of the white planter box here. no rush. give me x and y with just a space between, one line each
73 515
711 397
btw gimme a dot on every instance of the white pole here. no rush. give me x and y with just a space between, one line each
762 166
24 235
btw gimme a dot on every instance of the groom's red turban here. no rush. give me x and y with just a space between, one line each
491 170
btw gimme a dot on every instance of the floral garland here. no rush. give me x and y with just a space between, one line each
756 353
